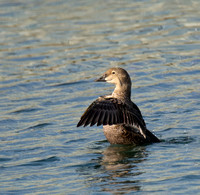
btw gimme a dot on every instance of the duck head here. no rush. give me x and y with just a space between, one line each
120 78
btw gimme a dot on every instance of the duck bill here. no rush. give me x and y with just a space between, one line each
101 79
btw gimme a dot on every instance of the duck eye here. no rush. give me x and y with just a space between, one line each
113 72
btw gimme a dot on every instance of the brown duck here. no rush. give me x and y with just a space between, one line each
121 119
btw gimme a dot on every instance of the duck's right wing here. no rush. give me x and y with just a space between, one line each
109 111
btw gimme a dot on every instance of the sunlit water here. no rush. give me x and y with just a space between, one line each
51 52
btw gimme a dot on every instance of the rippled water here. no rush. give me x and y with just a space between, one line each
51 52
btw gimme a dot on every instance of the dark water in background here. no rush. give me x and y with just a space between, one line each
51 51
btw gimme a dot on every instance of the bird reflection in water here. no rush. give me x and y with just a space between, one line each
115 169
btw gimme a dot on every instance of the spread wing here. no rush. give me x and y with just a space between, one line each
109 111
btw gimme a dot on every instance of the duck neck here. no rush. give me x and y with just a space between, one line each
122 91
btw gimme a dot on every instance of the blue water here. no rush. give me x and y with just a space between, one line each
51 53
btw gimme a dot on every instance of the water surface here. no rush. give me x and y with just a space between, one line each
51 52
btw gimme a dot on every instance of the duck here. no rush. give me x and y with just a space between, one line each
122 120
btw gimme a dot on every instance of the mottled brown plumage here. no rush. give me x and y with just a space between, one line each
121 119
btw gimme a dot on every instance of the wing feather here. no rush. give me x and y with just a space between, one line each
89 118
109 111
101 117
95 118
111 121
98 120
